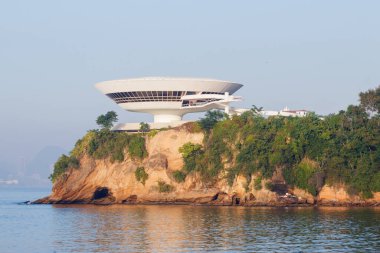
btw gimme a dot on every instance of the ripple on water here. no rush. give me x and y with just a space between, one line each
87 228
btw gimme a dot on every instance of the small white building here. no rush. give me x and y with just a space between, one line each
286 112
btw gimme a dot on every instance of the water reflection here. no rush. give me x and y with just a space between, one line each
188 228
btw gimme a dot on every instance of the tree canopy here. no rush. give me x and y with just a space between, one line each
370 100
144 127
211 118
107 120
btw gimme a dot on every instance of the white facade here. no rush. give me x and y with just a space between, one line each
293 113
168 99
286 112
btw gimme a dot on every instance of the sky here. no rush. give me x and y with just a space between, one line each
314 55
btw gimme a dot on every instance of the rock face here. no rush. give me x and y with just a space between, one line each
103 182
338 196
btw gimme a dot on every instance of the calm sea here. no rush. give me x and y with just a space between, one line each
87 228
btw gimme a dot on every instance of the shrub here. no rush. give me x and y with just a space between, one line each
64 162
376 182
107 120
105 143
141 175
108 144
82 145
367 194
164 187
179 176
210 120
144 127
269 186
191 127
257 183
153 133
190 154
231 175
189 149
302 176
136 147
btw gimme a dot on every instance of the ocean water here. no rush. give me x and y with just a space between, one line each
143 228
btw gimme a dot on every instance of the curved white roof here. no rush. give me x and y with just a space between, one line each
167 83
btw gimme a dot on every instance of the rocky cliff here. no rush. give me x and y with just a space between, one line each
101 181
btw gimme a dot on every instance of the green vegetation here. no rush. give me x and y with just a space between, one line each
107 120
370 100
190 153
192 127
269 185
164 187
141 175
144 127
304 175
179 176
106 144
212 117
102 144
340 148
64 162
136 146
153 133
257 183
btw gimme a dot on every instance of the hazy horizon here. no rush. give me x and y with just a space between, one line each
301 54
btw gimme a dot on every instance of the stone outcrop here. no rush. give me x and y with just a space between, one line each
338 195
102 182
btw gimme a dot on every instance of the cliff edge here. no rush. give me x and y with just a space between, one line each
152 179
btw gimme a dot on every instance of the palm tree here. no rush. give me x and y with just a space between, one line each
256 110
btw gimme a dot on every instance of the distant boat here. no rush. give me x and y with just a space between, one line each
8 182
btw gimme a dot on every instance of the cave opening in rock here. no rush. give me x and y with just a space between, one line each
100 193
237 201
215 197
280 189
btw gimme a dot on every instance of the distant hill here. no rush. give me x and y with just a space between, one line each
6 170
35 172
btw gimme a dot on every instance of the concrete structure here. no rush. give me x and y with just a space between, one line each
286 112
168 99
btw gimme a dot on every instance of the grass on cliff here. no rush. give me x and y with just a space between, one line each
141 175
64 162
305 176
164 187
257 183
179 176
103 144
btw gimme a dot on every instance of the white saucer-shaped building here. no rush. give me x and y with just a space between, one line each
168 98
